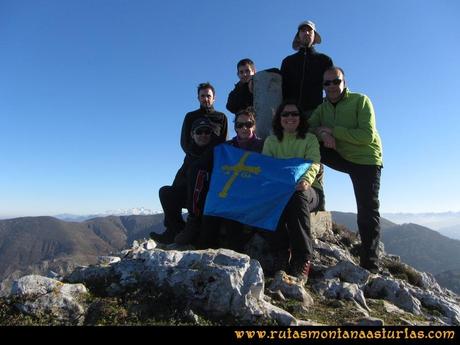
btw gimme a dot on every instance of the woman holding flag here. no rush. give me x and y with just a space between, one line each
203 231
292 241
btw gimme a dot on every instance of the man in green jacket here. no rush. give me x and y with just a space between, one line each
350 143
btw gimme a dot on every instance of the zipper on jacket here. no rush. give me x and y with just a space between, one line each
303 78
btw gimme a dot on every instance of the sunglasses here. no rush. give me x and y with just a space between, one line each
248 124
290 113
205 131
336 81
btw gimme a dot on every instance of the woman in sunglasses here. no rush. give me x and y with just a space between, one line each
245 128
246 139
291 243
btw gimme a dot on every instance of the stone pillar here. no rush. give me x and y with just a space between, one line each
268 96
320 222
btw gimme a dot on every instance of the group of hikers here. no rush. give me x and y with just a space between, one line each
338 131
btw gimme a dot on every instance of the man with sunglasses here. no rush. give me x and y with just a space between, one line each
174 198
345 126
241 96
198 183
303 71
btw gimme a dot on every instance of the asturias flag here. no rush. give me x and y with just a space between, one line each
251 188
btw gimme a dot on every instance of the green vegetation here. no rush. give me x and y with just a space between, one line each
11 316
402 271
141 307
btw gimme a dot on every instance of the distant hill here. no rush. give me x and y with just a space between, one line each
136 211
349 220
452 231
446 223
450 279
423 248
43 244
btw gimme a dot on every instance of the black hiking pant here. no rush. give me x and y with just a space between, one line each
173 199
293 230
366 186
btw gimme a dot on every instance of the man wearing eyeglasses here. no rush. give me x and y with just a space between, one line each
303 71
241 96
174 198
345 126
206 97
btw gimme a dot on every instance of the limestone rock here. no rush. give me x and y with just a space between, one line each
395 292
291 287
45 296
348 272
335 289
391 308
321 223
332 250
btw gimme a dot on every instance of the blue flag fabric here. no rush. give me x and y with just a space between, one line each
251 188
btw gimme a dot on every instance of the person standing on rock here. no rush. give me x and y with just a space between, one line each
345 126
241 96
292 241
303 71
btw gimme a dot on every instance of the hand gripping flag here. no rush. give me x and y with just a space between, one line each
251 188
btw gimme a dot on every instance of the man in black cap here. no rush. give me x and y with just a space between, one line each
174 198
303 71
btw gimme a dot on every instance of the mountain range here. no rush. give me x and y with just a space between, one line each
423 248
48 245
136 211
446 223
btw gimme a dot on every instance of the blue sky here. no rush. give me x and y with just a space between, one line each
93 93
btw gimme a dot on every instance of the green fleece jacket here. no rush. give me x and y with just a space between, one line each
352 121
293 147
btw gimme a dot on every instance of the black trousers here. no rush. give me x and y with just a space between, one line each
366 186
173 199
294 229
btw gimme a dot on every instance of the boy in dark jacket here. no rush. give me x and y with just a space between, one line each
241 97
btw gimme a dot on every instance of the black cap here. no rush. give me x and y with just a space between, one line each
201 122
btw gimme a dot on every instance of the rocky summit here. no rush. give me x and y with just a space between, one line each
153 284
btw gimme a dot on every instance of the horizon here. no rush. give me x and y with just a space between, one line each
153 212
445 223
93 94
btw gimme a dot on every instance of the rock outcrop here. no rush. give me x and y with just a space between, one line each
226 287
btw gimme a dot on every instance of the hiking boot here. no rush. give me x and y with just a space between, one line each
190 232
377 270
371 266
300 269
281 260
167 237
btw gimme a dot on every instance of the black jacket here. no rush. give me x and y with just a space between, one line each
218 119
196 152
302 74
240 98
